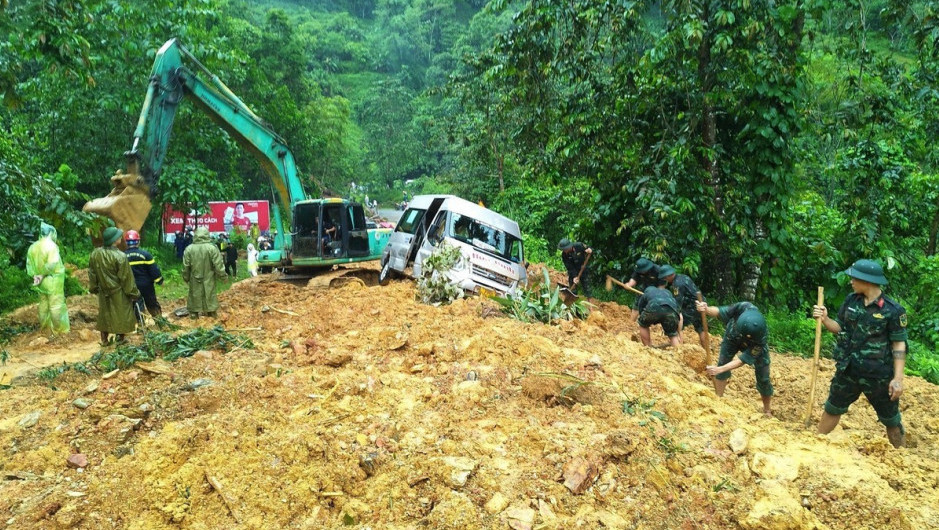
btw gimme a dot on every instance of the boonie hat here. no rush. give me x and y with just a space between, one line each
644 265
751 324
111 235
565 244
665 271
868 271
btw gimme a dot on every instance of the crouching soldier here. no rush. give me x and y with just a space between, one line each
658 306
745 332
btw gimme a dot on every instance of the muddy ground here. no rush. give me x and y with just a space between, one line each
366 409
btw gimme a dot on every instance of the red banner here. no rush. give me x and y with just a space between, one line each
222 217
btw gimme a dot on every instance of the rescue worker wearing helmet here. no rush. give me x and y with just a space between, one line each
745 332
45 266
146 275
870 354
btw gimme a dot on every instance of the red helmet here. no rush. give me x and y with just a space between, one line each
132 237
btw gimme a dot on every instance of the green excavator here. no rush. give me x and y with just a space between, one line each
300 243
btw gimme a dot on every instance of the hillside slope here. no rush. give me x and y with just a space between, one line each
369 409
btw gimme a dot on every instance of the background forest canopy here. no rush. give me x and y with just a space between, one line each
760 147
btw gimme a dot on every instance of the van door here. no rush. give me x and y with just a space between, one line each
424 228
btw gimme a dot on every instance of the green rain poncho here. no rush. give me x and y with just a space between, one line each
109 276
202 266
43 263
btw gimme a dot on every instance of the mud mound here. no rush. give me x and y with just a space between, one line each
360 407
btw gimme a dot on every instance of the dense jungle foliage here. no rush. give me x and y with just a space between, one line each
760 147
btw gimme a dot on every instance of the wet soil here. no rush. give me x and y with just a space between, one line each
359 407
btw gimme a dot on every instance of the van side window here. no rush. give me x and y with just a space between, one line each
410 221
438 230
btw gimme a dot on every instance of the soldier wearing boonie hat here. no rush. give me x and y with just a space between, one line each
574 254
686 293
645 274
870 353
745 331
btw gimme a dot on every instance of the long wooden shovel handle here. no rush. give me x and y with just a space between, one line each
707 336
623 285
818 348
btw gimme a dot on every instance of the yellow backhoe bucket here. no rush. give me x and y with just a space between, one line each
128 204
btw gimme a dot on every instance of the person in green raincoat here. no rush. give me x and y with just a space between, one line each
202 267
110 277
48 272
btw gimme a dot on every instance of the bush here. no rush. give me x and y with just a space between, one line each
434 286
794 332
542 304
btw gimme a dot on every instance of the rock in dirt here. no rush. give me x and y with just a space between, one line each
77 460
38 341
580 473
118 428
81 403
520 518
335 358
738 442
496 504
30 419
458 470
157 366
778 509
197 383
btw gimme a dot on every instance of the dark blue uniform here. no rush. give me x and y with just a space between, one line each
146 274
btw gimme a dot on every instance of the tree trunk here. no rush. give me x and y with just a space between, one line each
723 273
752 270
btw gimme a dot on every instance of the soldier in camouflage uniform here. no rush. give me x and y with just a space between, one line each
870 354
686 293
744 331
658 306
574 254
646 274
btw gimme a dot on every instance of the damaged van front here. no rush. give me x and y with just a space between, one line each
493 260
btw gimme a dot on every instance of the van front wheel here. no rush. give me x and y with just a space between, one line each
384 277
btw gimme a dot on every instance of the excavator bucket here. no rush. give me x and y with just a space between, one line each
128 203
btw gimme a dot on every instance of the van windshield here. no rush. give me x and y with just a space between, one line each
484 237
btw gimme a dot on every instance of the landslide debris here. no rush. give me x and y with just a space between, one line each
360 407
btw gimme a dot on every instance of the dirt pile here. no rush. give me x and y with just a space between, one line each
361 407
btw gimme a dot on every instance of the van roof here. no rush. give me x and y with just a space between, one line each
463 206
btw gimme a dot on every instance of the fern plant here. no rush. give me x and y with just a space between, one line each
542 304
435 286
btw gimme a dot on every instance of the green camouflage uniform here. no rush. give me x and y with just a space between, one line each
686 293
863 356
755 355
647 278
658 306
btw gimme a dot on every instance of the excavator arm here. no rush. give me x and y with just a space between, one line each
171 81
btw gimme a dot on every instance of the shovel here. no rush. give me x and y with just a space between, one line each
611 280
818 347
567 292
